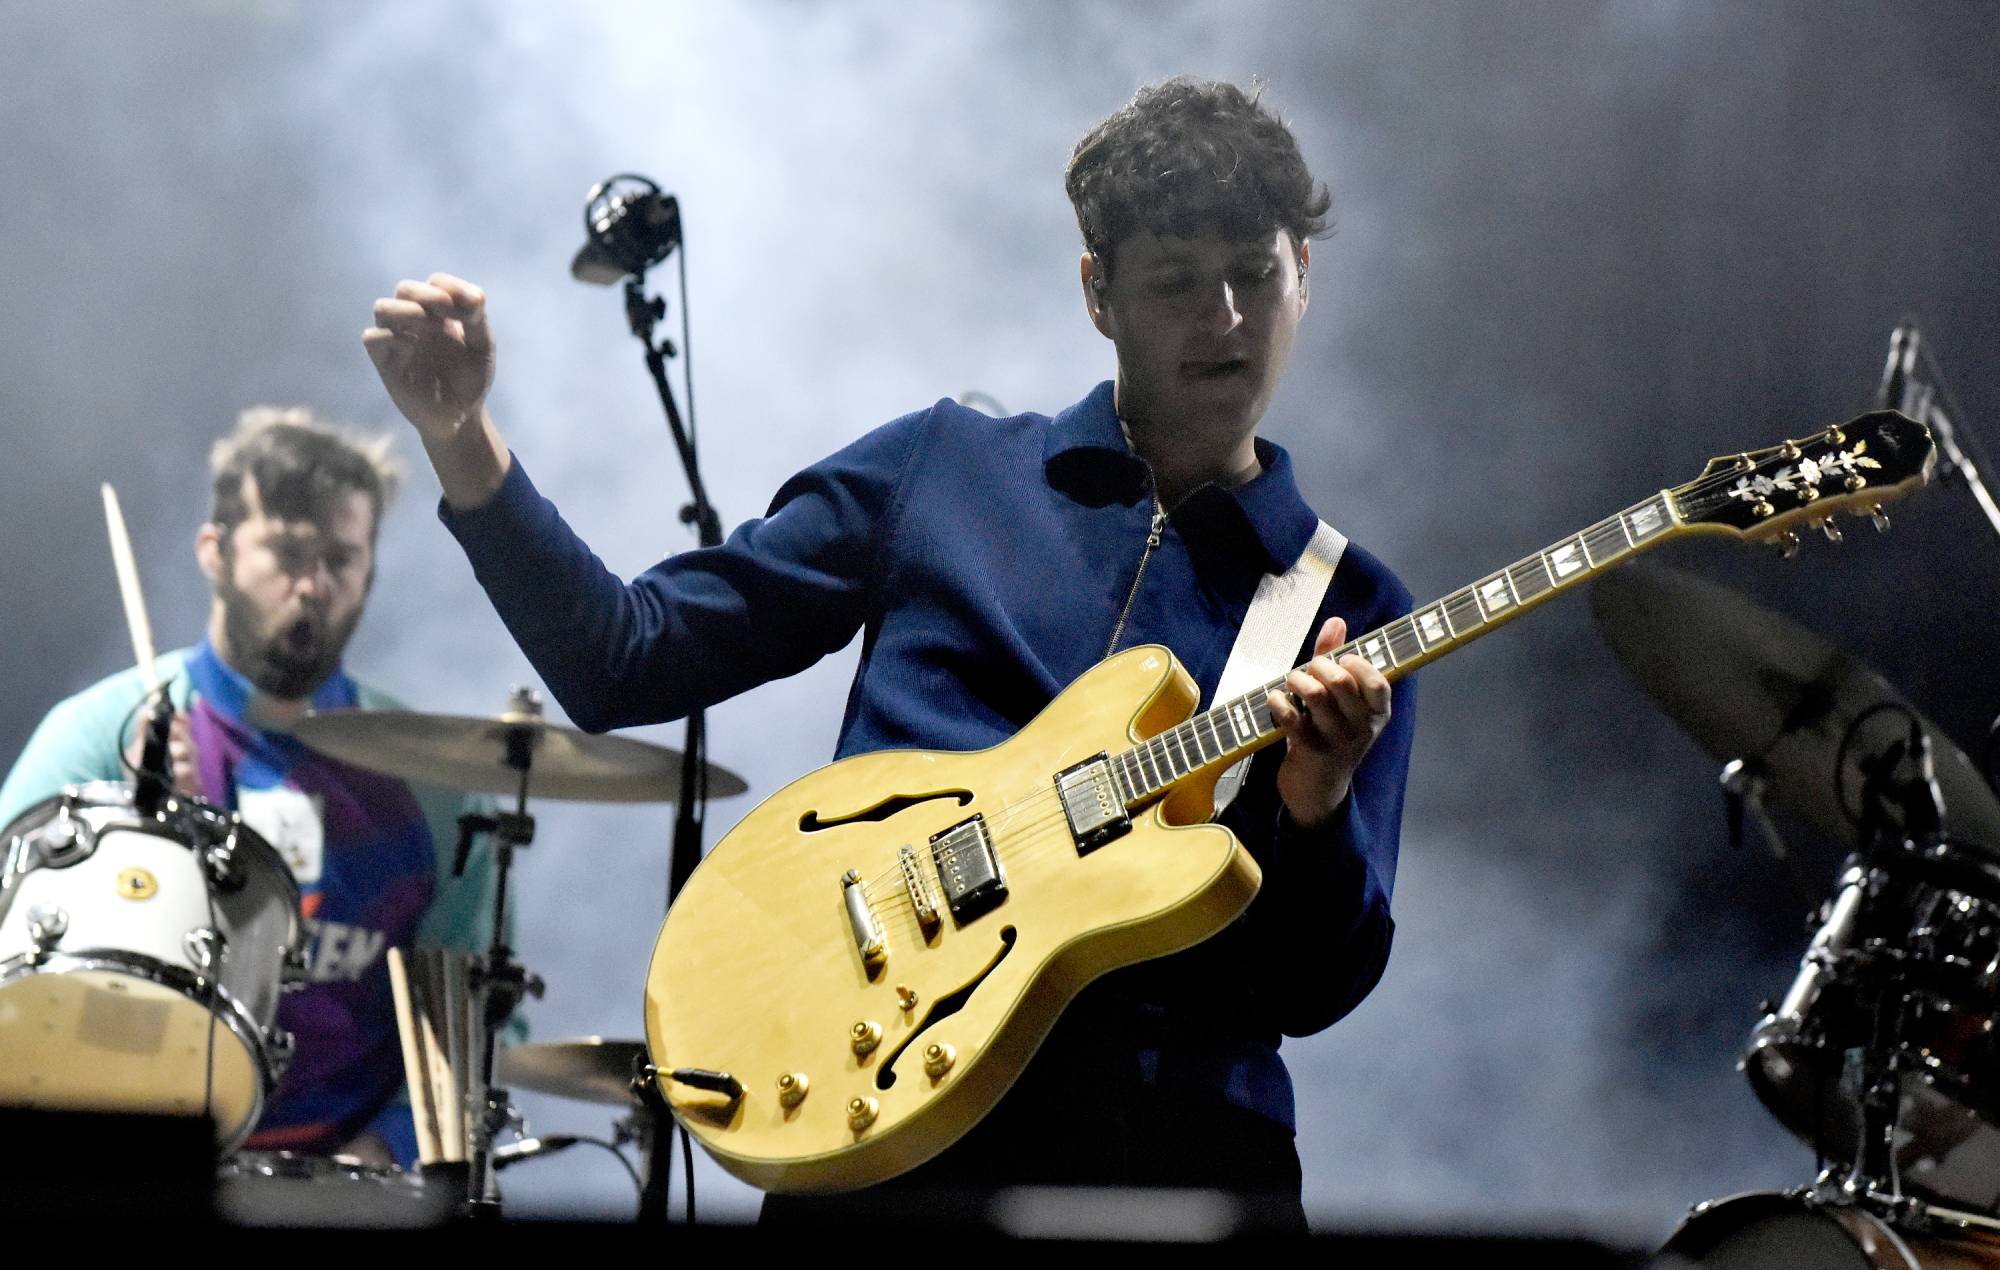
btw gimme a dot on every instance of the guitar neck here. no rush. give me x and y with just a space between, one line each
1242 725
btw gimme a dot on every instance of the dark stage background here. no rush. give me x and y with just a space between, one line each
1581 247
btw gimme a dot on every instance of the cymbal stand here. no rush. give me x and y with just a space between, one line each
499 981
1898 811
1743 785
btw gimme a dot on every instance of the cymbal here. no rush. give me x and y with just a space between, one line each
470 753
589 1069
1746 683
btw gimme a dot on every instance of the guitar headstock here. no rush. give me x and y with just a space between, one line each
1856 468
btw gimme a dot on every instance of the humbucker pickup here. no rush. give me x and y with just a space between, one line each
1091 801
968 868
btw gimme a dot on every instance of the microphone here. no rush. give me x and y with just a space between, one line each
629 226
154 781
1924 800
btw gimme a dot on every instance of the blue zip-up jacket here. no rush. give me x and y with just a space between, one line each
986 563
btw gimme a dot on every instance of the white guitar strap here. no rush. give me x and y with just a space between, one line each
1277 625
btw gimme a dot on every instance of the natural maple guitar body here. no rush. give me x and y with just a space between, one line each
764 914
861 968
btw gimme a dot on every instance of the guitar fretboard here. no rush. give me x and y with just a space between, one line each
1241 725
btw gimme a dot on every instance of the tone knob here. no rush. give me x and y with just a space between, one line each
861 1113
864 1036
938 1060
792 1087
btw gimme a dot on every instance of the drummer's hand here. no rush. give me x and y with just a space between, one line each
180 753
434 351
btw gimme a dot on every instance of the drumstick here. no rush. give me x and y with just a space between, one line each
128 590
433 977
458 1019
422 1111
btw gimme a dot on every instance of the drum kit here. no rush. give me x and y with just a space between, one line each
1883 1055
146 937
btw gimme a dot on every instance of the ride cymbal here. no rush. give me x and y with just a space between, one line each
478 755
1746 683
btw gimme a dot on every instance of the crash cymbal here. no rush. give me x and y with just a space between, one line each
1748 684
471 753
589 1069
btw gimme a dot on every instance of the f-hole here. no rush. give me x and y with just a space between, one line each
811 822
943 1008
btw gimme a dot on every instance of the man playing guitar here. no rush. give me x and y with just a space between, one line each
990 562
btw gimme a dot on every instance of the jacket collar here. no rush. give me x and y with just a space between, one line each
1085 454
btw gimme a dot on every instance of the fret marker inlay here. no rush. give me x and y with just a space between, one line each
1376 653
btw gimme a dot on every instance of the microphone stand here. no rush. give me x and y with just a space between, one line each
1918 396
644 314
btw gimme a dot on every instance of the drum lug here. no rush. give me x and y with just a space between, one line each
292 969
206 947
47 924
220 863
278 1048
64 842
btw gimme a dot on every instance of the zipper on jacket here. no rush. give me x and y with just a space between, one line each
1152 540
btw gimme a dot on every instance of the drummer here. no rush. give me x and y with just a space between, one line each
289 549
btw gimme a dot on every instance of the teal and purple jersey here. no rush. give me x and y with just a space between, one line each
371 854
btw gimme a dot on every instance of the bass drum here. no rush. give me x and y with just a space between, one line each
141 959
1769 1231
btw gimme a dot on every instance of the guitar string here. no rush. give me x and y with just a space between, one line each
1005 818
890 884
1695 497
1005 821
899 911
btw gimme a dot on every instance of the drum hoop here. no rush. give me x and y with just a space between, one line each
177 979
114 795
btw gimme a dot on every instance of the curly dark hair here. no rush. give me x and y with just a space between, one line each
1190 156
301 464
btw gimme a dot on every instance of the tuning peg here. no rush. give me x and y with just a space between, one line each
1831 530
1788 544
1879 518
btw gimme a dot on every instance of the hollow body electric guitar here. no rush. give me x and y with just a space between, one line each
861 967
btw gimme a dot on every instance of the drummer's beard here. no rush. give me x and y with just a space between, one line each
287 655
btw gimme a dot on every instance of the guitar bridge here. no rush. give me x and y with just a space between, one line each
1092 804
968 868
920 891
